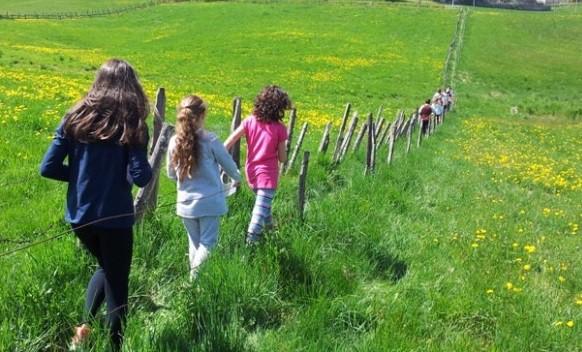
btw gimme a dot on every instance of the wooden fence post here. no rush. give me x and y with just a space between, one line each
159 119
348 139
371 153
340 136
302 184
383 136
360 136
409 132
297 147
391 140
338 156
378 128
236 120
325 139
159 116
290 128
420 123
401 125
146 199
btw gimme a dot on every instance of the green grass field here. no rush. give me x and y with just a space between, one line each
470 243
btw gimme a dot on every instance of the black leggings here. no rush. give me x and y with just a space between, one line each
113 250
424 127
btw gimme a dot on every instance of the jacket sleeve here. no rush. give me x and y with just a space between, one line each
170 170
225 160
139 168
52 165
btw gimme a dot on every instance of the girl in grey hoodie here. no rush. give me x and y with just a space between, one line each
193 160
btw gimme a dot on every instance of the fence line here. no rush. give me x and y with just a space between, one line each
87 13
454 51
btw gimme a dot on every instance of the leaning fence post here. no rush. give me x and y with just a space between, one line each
409 133
325 139
378 128
371 153
290 128
146 199
297 147
159 116
302 184
420 123
383 135
360 136
340 136
348 139
391 138
236 120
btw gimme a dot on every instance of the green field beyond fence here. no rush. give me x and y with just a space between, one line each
469 243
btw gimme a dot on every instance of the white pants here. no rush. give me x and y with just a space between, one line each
202 237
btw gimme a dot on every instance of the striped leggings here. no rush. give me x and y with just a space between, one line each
262 216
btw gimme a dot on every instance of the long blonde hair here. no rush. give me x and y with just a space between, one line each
186 154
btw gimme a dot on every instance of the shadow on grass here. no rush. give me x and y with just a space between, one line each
388 267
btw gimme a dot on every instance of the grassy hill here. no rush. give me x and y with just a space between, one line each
469 243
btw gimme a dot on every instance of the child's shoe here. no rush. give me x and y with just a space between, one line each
81 334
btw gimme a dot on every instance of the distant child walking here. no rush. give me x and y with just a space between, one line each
425 111
104 139
194 158
437 105
266 135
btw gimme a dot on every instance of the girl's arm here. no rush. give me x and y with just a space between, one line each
282 151
139 167
52 165
225 160
234 137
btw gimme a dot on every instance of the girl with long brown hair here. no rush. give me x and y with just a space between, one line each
193 161
104 139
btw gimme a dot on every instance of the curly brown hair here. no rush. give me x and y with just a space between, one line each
115 109
186 154
271 103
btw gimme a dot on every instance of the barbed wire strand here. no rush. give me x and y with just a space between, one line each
107 218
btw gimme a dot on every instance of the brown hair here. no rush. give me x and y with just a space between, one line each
114 109
271 103
186 154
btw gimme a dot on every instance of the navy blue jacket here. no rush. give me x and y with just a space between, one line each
100 176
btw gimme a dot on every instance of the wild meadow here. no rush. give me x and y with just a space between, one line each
469 243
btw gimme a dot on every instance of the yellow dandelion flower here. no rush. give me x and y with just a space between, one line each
475 245
509 285
561 278
529 248
570 323
489 291
527 267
